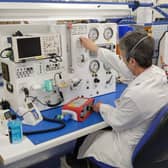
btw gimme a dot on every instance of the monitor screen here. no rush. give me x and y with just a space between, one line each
28 47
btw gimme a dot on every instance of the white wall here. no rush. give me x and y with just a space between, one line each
162 1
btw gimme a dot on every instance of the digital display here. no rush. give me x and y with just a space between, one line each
28 47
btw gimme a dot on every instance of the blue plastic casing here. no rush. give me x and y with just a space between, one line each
15 131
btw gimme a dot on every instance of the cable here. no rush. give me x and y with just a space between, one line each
36 99
4 104
6 49
45 104
60 93
59 75
26 92
62 125
56 104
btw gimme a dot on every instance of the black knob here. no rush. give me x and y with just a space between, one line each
96 80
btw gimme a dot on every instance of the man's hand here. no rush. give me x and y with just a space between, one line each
96 107
88 44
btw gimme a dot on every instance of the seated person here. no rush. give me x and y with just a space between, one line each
146 93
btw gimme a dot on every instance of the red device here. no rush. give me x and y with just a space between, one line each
80 108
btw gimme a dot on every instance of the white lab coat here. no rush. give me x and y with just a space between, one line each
134 110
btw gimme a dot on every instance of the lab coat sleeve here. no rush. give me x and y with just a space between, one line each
108 57
125 115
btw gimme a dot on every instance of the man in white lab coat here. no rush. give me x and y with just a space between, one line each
137 106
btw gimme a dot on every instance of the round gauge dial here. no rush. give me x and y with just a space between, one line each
108 33
93 34
107 67
94 66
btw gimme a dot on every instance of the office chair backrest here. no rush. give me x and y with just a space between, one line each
152 149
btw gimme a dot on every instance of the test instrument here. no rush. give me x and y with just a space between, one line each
80 108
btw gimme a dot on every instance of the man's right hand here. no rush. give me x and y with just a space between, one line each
96 107
88 44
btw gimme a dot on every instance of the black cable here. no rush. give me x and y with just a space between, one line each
4 104
62 125
59 75
6 49
46 104
26 92
56 104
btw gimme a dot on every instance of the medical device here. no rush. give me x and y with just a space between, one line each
80 108
68 70
30 113
90 75
36 47
43 78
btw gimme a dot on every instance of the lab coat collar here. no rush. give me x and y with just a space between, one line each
143 76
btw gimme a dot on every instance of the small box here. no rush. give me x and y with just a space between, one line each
15 131
80 108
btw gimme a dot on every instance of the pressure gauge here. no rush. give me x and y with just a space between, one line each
108 33
107 67
93 34
94 66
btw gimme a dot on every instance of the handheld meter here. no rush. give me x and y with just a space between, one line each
80 108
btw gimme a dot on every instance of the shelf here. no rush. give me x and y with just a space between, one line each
19 11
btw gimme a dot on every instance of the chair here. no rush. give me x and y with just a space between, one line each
99 164
152 149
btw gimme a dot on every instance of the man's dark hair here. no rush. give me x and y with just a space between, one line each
139 46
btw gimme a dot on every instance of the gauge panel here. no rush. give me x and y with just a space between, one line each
108 33
107 67
94 66
93 34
